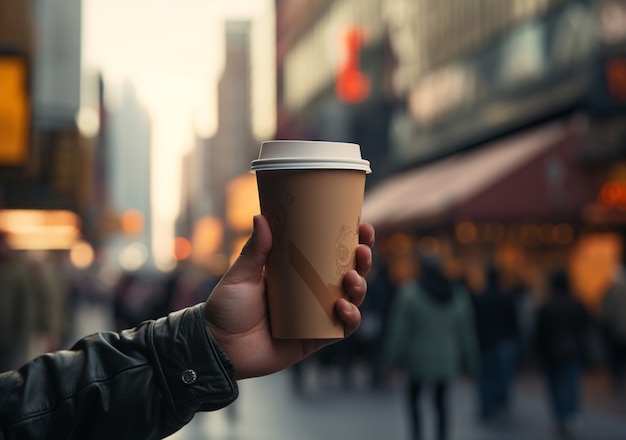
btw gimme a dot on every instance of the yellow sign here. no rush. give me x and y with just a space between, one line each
14 112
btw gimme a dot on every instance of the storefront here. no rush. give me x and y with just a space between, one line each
520 202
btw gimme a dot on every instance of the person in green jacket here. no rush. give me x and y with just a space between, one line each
431 338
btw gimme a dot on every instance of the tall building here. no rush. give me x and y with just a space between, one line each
129 137
333 74
215 161
233 147
46 155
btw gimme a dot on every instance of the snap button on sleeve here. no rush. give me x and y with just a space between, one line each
189 377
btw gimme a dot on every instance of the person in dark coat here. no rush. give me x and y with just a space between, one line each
497 328
561 325
613 322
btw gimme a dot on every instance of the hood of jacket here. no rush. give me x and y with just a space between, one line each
433 281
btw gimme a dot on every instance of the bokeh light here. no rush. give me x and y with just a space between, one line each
81 254
181 248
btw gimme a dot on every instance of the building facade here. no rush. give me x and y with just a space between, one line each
491 126
49 131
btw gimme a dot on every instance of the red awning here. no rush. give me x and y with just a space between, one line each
527 176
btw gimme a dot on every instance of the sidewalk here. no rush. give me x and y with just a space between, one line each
270 409
597 393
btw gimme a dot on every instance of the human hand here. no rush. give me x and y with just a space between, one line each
236 312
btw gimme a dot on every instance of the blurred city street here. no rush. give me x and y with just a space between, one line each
496 139
269 409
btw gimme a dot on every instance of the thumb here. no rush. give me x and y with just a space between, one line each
254 254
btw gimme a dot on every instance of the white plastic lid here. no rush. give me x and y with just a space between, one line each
302 155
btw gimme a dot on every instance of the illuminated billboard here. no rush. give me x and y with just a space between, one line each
14 111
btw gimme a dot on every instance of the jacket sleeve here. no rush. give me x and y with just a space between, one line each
142 383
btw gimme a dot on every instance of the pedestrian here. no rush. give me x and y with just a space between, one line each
149 381
19 307
497 329
132 302
431 338
52 302
613 321
561 326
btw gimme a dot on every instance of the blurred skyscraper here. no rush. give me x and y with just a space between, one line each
130 173
217 160
233 147
50 169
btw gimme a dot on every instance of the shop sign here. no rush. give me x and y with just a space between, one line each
40 229
14 111
529 72
441 92
352 86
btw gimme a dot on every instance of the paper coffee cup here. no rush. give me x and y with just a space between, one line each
311 192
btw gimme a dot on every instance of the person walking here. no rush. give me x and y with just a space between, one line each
497 329
20 309
561 325
613 321
430 338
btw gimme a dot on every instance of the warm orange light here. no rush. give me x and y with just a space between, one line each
81 254
206 239
613 195
466 232
548 233
615 70
132 221
530 235
181 248
242 202
398 244
592 262
40 229
564 234
14 111
352 86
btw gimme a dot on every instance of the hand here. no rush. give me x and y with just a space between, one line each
236 311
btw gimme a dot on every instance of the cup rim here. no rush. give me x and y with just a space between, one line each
309 164
285 155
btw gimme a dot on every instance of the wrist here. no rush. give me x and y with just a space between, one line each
186 349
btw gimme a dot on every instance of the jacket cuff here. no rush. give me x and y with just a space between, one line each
195 373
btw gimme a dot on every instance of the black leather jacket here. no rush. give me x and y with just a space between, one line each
143 383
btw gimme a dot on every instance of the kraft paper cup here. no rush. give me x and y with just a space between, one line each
311 192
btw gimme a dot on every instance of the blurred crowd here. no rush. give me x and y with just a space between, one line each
47 304
423 327
33 305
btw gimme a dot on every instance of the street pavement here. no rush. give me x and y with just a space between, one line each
269 408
